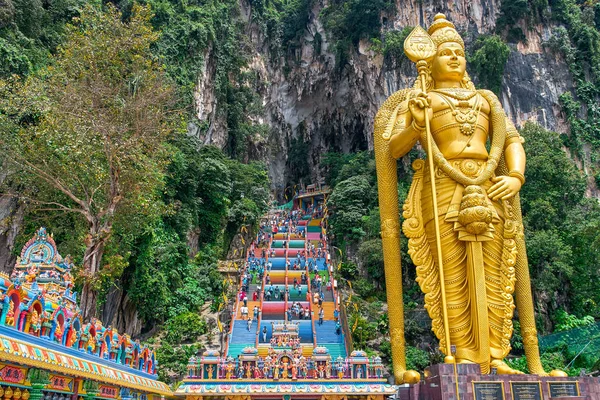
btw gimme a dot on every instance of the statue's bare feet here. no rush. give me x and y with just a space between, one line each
503 369
558 372
411 377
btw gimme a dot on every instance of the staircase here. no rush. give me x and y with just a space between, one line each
287 247
241 335
336 350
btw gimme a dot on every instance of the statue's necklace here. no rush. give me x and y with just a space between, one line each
457 93
464 114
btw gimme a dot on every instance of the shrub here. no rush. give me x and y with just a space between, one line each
185 327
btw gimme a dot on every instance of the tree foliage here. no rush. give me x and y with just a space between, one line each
30 31
349 21
89 133
559 226
393 48
489 58
190 202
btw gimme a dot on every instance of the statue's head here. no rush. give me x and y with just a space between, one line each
449 63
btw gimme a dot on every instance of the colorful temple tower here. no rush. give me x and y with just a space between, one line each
48 352
288 337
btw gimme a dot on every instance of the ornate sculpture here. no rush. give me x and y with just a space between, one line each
10 314
462 214
34 324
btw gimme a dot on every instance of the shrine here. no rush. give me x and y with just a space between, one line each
48 352
289 336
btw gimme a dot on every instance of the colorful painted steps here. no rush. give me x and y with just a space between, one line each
286 246
277 277
313 236
241 335
251 305
278 263
235 350
298 296
328 308
305 331
319 261
326 333
273 310
336 350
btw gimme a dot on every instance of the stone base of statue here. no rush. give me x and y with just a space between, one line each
440 383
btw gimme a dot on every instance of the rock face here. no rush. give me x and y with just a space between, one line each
332 108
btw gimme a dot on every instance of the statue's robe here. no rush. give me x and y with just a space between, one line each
478 270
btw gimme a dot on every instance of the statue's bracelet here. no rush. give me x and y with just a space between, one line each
518 175
416 127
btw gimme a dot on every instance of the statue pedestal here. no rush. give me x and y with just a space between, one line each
440 384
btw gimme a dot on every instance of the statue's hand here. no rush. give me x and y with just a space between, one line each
504 187
418 104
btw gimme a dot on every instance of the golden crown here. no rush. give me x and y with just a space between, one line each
444 31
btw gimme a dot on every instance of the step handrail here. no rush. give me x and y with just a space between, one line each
262 291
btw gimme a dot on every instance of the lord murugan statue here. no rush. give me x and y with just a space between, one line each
462 215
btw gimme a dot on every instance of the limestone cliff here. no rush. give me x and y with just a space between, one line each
309 96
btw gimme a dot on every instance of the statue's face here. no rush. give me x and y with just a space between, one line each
449 63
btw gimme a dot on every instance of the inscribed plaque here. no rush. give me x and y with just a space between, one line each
563 389
526 390
488 390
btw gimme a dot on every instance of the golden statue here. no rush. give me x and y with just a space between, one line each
462 215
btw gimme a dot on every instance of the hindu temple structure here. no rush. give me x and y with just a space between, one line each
288 338
48 352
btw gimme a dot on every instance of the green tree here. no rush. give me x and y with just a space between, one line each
30 30
488 61
370 252
349 21
349 201
89 133
560 227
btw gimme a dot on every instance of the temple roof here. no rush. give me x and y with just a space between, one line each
41 325
35 355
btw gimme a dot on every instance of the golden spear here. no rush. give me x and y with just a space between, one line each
420 49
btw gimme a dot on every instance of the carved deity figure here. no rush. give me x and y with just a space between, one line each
229 370
276 370
10 314
321 369
58 333
284 369
266 369
478 169
34 324
295 369
91 344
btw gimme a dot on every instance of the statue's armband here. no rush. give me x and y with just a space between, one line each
512 135
402 137
403 119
